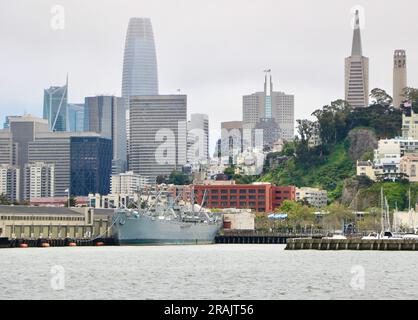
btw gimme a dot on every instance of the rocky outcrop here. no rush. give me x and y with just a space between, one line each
362 141
357 196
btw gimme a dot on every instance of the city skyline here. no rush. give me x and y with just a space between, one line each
182 58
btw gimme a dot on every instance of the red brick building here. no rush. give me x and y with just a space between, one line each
259 197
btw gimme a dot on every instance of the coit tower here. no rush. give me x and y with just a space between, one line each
399 77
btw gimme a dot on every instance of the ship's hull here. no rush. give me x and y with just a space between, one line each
146 230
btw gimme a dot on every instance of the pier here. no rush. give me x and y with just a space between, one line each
258 238
352 244
40 243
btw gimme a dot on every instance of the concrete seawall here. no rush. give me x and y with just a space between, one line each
352 244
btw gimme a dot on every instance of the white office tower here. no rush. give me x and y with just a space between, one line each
158 135
39 180
357 72
140 72
198 139
399 77
9 182
270 105
127 183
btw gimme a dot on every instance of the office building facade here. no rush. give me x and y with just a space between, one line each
106 115
258 197
158 135
90 165
127 183
24 130
75 117
270 105
198 138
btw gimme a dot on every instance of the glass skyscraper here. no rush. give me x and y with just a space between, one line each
75 115
140 75
55 107
90 165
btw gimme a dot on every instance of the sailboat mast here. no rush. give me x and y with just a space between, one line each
382 205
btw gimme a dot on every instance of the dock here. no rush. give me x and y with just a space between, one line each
258 238
352 244
39 243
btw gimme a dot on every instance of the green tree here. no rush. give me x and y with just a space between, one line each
4 200
230 172
161 180
380 97
179 178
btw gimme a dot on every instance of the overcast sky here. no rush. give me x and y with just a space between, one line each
214 51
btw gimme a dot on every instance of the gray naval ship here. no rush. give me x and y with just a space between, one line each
165 225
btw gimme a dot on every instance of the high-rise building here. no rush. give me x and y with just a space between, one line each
55 148
6 147
269 133
10 182
232 135
90 165
39 180
140 71
399 77
198 138
106 115
140 75
127 183
158 135
270 104
357 71
24 129
55 107
75 115
6 123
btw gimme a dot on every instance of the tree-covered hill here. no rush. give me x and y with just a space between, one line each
346 135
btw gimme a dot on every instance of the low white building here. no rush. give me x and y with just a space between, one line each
315 197
388 156
127 183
